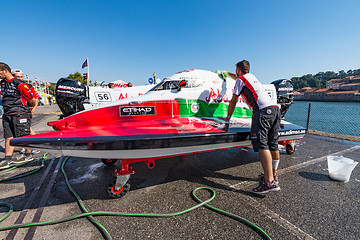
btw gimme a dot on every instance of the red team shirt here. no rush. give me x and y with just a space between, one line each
15 94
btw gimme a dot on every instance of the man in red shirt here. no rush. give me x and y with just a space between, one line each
16 97
19 75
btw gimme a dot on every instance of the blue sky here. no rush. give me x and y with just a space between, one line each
130 39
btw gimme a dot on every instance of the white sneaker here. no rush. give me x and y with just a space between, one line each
4 164
23 159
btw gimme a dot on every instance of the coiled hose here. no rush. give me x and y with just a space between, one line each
105 233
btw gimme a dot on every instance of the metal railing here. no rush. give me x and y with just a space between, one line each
332 117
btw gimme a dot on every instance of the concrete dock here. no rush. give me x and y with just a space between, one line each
309 206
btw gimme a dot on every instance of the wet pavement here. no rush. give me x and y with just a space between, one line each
309 206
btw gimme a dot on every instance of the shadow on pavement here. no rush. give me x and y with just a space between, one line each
315 176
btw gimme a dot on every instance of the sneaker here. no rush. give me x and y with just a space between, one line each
22 151
262 178
23 159
265 187
4 164
35 151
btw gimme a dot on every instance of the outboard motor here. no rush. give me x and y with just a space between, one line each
70 95
284 91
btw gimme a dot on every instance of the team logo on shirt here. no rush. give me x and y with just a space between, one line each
254 136
24 120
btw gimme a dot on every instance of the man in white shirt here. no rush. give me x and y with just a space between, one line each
265 123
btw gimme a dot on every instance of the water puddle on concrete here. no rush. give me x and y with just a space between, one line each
89 174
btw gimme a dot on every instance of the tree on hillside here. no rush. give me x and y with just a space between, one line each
341 74
52 88
314 82
319 80
78 77
306 81
353 72
297 83
330 75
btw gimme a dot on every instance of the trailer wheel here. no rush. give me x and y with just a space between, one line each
112 192
290 149
108 162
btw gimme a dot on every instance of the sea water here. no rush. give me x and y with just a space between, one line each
333 117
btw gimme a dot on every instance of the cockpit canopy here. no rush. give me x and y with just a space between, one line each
169 84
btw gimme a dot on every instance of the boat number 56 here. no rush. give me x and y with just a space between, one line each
103 97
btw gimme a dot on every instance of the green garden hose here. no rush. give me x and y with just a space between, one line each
8 205
105 233
23 174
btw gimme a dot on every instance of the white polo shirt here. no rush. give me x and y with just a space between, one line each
253 92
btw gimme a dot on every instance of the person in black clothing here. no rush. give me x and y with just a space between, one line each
16 95
19 75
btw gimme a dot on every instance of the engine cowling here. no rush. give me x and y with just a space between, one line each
285 94
70 96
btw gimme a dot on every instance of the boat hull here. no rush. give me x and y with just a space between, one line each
150 145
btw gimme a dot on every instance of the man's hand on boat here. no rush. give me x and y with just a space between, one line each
232 75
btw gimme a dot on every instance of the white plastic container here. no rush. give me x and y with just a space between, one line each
340 168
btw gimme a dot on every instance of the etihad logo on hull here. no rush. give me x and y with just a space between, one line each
130 111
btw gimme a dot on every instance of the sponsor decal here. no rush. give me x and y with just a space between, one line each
188 78
189 70
130 111
292 132
120 85
59 91
24 120
195 107
285 89
103 96
122 96
125 95
216 96
71 88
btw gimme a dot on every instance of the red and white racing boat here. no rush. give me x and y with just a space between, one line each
181 115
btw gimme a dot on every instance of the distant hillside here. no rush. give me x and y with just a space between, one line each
319 80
